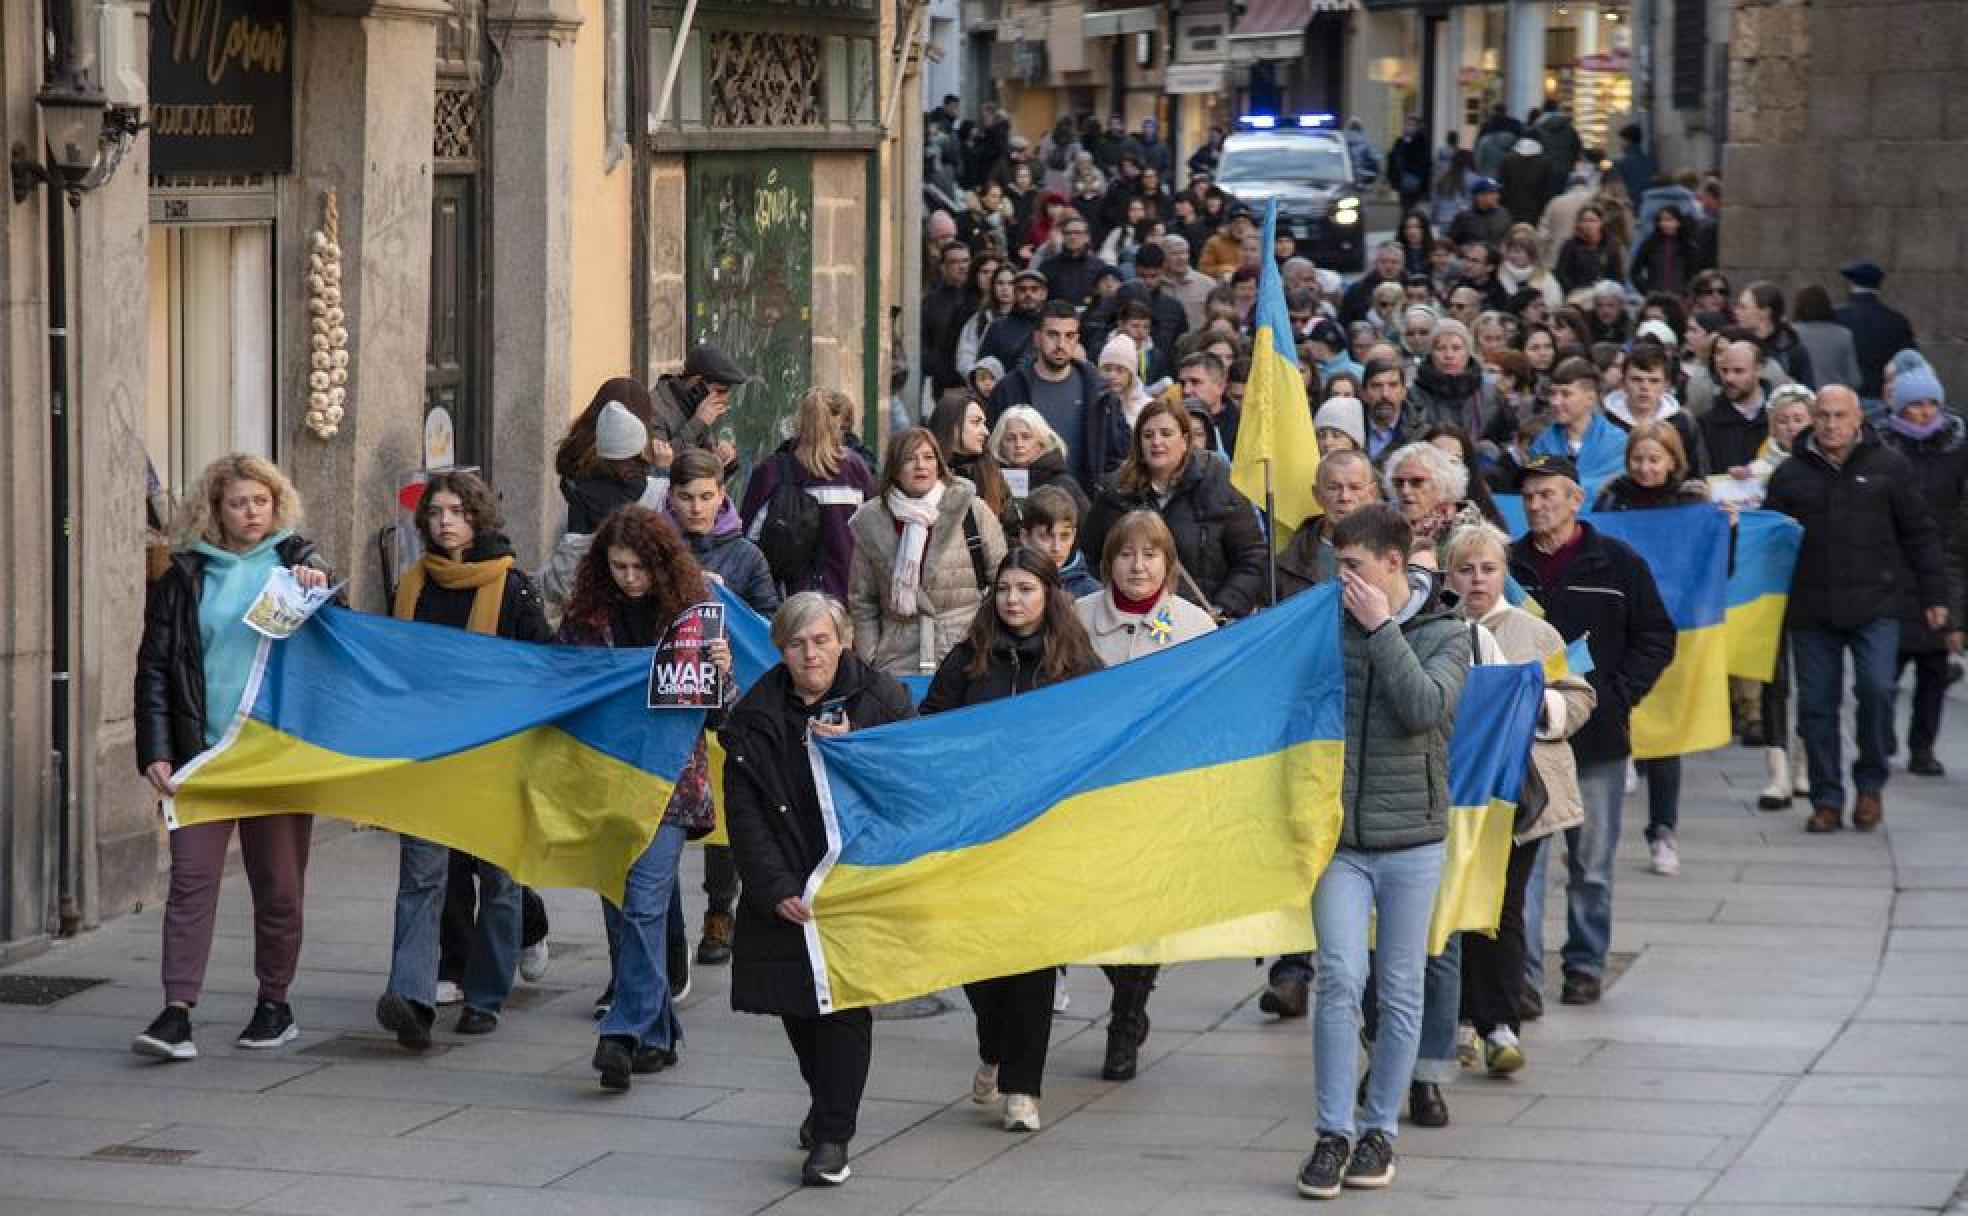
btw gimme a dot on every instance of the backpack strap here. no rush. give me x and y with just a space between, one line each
974 541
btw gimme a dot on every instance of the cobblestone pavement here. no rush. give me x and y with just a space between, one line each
1789 1034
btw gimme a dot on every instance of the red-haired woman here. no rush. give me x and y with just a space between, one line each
636 578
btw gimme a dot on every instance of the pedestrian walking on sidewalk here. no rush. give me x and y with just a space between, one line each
1138 612
778 837
193 667
466 579
1025 636
636 579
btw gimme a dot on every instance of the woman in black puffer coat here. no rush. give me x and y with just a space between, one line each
1216 531
1449 389
778 837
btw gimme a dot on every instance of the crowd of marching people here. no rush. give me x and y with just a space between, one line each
1058 500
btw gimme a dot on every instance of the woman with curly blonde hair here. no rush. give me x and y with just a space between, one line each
193 666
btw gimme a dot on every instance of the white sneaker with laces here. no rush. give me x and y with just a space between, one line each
1664 860
449 993
533 961
984 1086
1021 1113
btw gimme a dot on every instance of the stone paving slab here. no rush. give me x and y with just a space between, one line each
1789 1035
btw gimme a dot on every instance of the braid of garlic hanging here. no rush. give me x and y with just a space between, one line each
327 335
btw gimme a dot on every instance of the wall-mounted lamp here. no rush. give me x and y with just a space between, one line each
78 122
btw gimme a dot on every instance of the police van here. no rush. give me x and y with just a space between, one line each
1302 161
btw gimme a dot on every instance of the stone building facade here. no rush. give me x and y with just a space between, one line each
1848 139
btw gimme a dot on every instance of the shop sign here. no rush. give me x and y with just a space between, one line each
1186 78
222 86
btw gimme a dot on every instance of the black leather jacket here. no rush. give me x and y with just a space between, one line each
170 686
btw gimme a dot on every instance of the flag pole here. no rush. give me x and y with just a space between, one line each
1270 533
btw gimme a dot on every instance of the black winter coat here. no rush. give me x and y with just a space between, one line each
590 500
1217 537
521 615
1012 669
1731 439
170 684
1048 470
1940 469
1866 530
777 834
1580 265
1879 332
1464 402
1609 594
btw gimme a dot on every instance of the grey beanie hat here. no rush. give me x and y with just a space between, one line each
619 434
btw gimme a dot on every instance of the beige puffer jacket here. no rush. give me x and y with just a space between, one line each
1122 636
948 596
1551 801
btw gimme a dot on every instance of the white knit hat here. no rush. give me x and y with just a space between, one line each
1345 414
619 434
1120 349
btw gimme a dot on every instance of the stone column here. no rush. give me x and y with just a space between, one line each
116 841
367 74
1523 60
532 266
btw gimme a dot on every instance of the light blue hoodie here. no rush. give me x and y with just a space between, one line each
232 580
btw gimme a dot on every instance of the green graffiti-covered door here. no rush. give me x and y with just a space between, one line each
750 283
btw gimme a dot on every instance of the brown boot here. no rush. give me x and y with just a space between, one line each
1825 819
715 947
1868 811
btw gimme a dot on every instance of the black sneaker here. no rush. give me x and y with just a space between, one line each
1530 1004
477 1021
806 1133
604 1002
614 1059
168 1037
654 1059
272 1026
1320 1176
1285 998
1372 1166
1580 989
406 1019
826 1165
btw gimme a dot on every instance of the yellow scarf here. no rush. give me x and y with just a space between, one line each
486 579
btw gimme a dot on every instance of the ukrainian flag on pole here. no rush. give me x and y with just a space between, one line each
1035 831
1276 427
544 760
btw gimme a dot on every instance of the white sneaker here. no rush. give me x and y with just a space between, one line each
449 993
533 962
1021 1113
984 1086
1664 860
1467 1052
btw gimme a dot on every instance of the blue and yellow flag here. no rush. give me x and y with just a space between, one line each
1574 660
1276 427
1759 591
1496 723
1054 826
544 760
1687 549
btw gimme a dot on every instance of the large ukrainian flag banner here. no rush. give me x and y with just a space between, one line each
1759 591
1276 427
544 760
1687 549
1182 790
1489 751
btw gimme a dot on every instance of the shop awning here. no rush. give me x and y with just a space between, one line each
1271 29
1270 18
1116 22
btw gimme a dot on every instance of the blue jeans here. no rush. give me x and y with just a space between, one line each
638 935
422 869
1534 917
1589 850
1819 658
1441 1012
1394 892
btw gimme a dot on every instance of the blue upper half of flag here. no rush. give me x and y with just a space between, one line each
1272 313
1496 720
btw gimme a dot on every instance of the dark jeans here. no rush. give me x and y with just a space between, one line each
720 879
834 1052
1493 967
1663 794
1819 658
1014 1026
1930 682
460 919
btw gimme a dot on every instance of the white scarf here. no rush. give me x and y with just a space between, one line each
917 516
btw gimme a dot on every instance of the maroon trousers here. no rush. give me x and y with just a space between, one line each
275 850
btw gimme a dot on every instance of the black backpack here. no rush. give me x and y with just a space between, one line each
788 530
